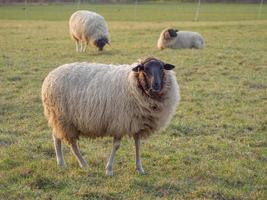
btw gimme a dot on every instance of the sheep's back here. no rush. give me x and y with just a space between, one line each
186 39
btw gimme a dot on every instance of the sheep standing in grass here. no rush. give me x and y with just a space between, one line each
96 100
88 27
174 39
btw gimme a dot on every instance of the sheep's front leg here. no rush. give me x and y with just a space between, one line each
138 156
75 150
109 166
58 150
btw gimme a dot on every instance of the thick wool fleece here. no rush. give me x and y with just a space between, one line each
87 26
96 100
184 39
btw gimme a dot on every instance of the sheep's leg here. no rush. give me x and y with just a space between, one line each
138 156
81 46
109 166
85 46
77 45
58 150
75 150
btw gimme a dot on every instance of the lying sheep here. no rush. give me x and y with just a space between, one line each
96 100
88 27
174 39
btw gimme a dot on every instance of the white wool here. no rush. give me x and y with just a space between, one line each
87 26
184 39
104 100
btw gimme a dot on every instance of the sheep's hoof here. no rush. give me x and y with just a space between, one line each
84 165
61 164
141 171
109 172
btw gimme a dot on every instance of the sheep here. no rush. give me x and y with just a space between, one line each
88 27
97 100
174 39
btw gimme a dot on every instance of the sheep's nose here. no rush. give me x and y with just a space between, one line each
156 87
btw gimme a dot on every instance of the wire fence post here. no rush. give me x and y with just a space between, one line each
260 9
135 7
25 9
78 4
197 11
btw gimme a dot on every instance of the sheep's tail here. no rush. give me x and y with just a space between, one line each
199 43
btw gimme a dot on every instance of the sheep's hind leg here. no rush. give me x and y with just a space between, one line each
77 45
109 166
59 153
84 47
138 156
75 150
81 46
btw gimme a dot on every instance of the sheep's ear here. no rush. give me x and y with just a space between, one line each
138 68
168 66
106 40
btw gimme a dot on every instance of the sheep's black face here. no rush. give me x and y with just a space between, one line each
100 43
151 76
172 32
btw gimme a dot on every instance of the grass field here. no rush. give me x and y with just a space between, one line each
138 12
215 146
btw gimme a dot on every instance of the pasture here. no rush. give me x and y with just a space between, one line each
216 144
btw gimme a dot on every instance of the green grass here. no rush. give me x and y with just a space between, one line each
215 146
157 12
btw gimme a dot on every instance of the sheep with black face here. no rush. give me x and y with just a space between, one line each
88 27
174 39
97 100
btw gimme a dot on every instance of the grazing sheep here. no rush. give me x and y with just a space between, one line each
174 39
96 100
88 27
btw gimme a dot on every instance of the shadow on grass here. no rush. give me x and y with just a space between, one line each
160 191
111 52
46 184
100 196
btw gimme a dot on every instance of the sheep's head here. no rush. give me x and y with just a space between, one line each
170 33
151 75
100 43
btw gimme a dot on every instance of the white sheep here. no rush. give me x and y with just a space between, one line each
96 100
88 27
174 39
